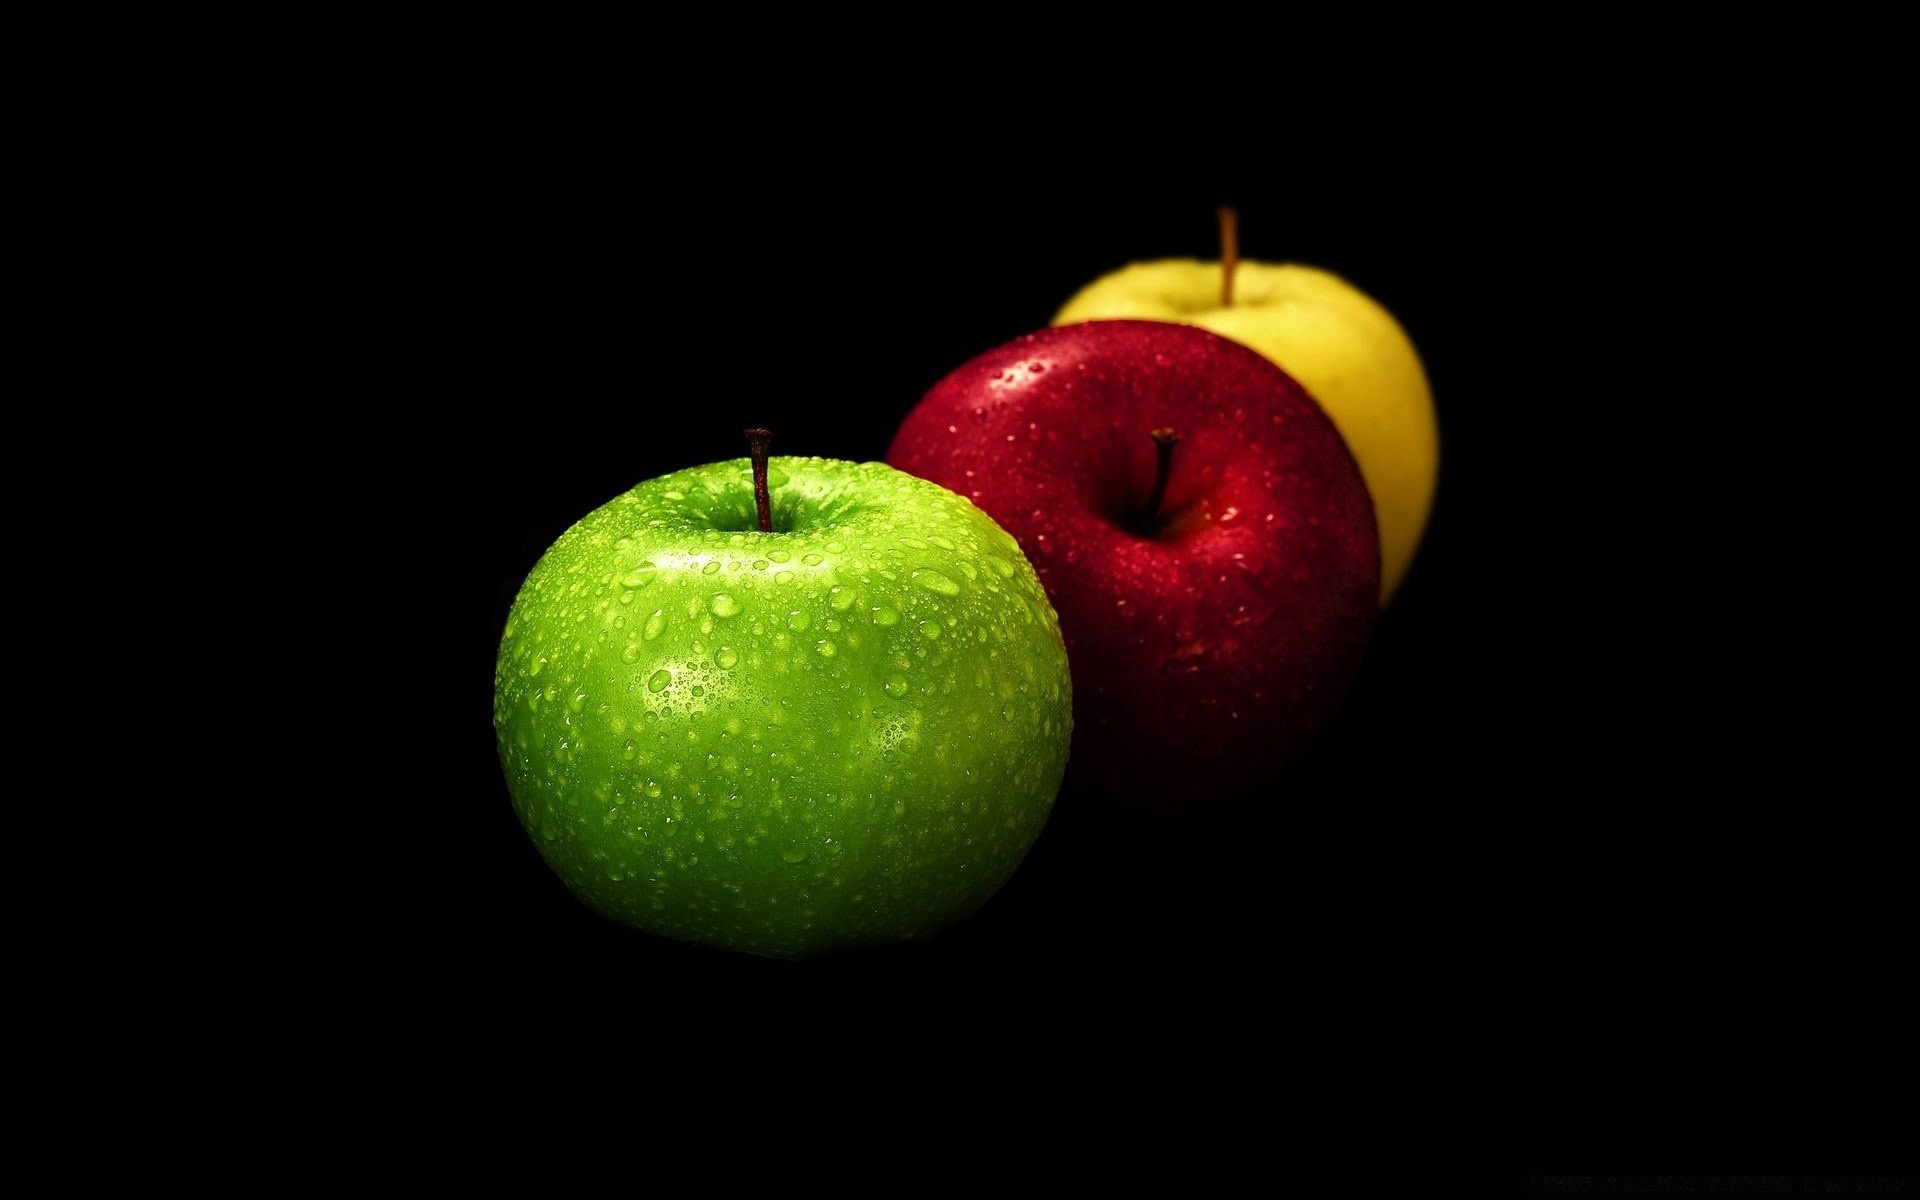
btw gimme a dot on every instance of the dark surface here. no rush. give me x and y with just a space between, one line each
1550 786
828 327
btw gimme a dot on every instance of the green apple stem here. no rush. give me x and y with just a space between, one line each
758 440
1164 440
1229 252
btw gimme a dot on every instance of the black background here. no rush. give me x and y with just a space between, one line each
1564 792
827 324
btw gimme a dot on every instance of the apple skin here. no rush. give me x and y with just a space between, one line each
1205 657
845 731
1349 353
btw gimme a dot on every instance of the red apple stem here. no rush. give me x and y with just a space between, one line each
1165 438
1229 252
758 441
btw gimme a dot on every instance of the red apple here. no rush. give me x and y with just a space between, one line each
1209 636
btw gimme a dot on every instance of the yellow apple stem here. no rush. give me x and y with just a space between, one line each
1164 440
758 440
1229 252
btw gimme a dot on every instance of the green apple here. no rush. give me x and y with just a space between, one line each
846 730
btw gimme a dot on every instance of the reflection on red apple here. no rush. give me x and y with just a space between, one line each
1211 639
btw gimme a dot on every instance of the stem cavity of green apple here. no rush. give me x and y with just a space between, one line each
1229 252
1165 438
758 441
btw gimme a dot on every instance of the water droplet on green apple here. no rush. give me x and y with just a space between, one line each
885 615
827 649
654 625
798 621
711 568
627 751
725 605
640 576
659 680
727 657
577 703
759 564
533 668
812 560
835 547
841 598
794 855
631 654
913 543
1000 566
896 686
930 628
783 576
934 581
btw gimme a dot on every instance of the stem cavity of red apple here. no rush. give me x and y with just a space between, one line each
1165 438
758 441
1229 252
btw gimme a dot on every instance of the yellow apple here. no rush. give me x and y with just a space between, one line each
1342 346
